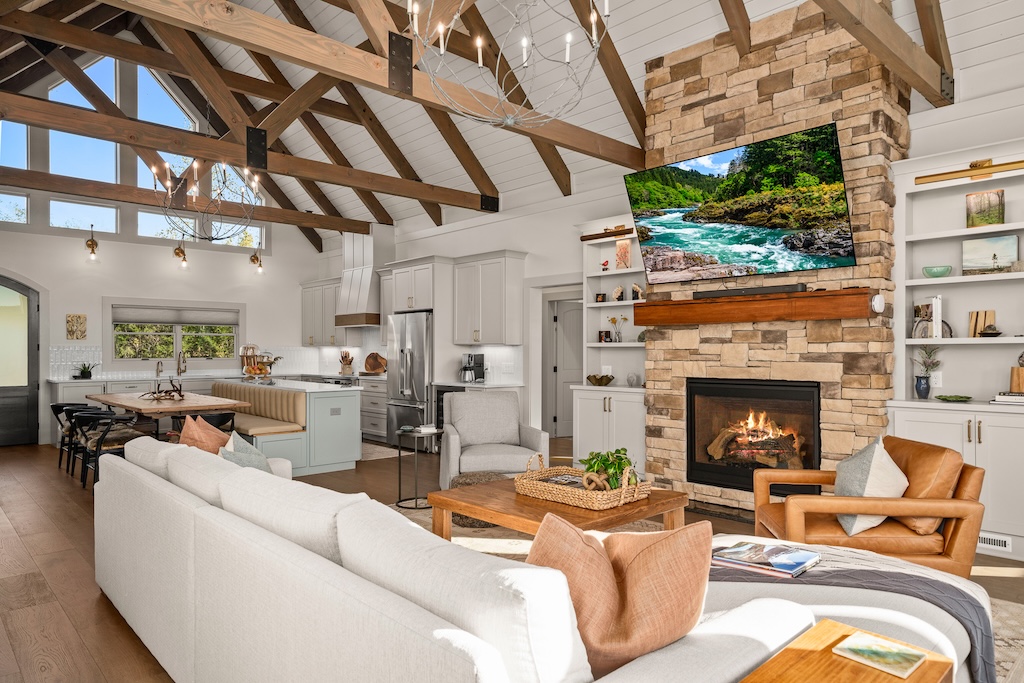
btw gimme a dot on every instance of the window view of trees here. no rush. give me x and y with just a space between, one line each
139 342
208 341
13 208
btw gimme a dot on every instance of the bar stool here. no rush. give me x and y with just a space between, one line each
102 432
74 441
65 428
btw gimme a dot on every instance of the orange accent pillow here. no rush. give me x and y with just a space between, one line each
633 592
203 435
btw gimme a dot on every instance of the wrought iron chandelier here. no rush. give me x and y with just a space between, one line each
194 207
534 78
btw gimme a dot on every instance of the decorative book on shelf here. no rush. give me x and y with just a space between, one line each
881 653
773 559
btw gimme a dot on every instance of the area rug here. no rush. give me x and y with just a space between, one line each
1007 617
378 451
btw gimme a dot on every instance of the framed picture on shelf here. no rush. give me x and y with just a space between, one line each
988 255
985 208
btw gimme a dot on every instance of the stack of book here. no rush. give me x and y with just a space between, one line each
773 559
1008 398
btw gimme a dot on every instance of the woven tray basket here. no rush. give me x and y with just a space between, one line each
529 484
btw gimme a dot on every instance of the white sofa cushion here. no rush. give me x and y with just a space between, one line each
302 513
485 417
199 472
150 454
724 648
523 611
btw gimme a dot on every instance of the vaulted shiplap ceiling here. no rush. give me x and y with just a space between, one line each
978 31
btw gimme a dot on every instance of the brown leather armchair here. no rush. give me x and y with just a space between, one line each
812 519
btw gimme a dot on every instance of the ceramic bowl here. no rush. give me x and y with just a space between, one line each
937 271
600 380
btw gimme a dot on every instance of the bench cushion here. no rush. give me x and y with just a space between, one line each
275 403
254 425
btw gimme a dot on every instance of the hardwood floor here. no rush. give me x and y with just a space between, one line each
58 626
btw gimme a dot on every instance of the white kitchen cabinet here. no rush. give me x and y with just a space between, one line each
128 387
988 438
414 287
319 306
72 392
489 299
373 408
387 304
605 420
203 387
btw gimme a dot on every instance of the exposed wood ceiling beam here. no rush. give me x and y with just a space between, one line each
63 117
323 139
114 192
739 23
199 103
549 155
463 152
885 39
615 72
370 121
251 29
8 6
57 9
71 35
299 101
933 32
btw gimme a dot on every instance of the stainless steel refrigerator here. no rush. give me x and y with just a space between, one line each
410 370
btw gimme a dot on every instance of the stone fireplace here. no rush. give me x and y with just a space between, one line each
736 426
802 71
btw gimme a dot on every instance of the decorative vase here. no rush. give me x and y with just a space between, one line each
923 386
618 336
632 379
85 374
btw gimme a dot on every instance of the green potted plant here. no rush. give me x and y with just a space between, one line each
85 370
611 465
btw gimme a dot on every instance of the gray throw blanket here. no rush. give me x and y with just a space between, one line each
964 600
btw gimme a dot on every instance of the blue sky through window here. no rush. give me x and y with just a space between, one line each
77 156
13 144
156 225
13 208
80 216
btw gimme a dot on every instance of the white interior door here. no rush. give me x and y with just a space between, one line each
568 361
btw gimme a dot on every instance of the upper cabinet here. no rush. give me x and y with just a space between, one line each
387 303
319 304
413 287
488 299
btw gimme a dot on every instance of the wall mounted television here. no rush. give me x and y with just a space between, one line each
775 206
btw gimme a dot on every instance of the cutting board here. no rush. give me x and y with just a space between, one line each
376 363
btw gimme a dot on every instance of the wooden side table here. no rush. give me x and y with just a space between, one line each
810 658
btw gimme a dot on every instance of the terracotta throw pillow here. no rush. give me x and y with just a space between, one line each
633 592
203 435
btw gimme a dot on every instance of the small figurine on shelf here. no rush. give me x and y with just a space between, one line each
637 292
604 265
617 293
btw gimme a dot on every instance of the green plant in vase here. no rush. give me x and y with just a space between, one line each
85 370
610 466
927 361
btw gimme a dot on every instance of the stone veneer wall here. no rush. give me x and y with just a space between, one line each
803 71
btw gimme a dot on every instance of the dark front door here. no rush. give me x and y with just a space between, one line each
19 363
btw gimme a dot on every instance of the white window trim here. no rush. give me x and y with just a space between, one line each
114 364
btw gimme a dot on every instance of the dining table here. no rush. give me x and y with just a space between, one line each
156 408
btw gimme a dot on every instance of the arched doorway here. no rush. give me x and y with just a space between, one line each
19 363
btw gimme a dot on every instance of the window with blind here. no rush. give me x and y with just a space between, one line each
157 333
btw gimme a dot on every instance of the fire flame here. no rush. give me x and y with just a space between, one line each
758 428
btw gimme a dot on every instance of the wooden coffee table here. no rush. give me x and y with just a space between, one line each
498 503
810 658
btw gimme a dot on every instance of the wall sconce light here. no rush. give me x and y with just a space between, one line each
91 244
179 252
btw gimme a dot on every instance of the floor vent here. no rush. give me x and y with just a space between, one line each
989 541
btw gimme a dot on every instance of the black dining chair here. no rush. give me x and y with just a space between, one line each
65 428
74 442
101 431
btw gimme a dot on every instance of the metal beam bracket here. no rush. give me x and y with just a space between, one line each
255 147
947 86
488 203
400 63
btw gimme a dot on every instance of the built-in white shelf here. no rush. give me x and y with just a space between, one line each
616 345
942 185
963 279
612 304
963 233
965 341
614 271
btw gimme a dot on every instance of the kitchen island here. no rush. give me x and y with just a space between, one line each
316 426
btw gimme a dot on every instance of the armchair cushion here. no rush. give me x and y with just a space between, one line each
932 472
870 472
890 537
495 457
485 417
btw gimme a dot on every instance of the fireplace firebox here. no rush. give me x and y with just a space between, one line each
736 426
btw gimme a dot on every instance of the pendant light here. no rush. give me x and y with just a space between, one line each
91 244
179 252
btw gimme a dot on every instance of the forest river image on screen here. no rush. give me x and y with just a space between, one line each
775 206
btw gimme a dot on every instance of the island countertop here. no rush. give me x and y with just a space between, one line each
308 387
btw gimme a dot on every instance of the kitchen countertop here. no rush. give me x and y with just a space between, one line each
212 376
481 385
607 387
308 387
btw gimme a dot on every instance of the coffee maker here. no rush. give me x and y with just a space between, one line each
472 368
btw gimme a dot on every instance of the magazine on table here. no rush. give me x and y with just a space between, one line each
772 559
571 480
881 653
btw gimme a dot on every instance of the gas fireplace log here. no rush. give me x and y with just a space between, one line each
717 448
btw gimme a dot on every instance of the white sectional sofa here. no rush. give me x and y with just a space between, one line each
231 574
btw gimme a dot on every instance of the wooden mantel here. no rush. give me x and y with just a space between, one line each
791 306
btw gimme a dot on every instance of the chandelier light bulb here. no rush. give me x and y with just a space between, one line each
593 28
415 18
408 7
526 44
480 52
606 12
568 44
440 37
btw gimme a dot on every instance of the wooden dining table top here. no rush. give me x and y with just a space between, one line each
151 407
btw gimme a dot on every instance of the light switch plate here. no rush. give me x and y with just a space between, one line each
335 411
606 369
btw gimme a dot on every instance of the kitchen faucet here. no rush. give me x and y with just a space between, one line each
159 367
182 363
